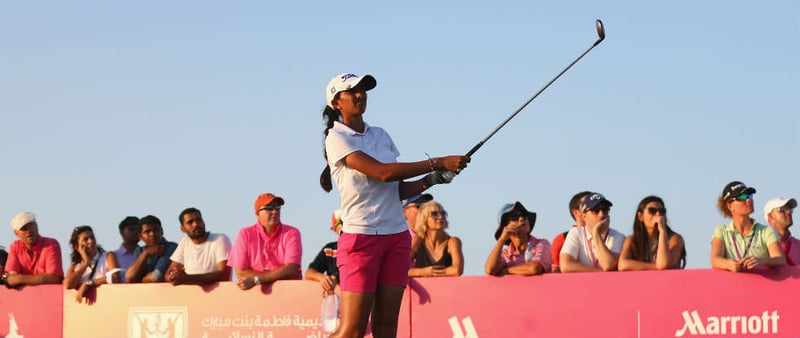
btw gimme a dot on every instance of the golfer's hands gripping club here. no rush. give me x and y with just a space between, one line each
454 163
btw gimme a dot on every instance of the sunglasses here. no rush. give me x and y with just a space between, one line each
270 207
653 211
604 209
785 208
437 213
742 197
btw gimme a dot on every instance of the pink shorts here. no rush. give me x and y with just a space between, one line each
366 260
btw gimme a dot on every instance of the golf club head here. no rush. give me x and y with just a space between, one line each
600 31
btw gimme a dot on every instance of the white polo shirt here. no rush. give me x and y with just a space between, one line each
369 206
579 245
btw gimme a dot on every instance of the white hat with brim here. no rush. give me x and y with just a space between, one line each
22 219
777 203
347 81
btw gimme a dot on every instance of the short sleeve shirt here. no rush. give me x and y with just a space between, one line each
369 206
255 250
46 258
203 257
158 265
539 252
325 262
580 246
755 244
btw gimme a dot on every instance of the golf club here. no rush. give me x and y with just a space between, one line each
601 33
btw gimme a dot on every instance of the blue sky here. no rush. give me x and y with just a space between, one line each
111 109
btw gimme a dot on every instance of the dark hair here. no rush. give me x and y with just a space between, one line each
330 115
575 202
191 210
640 250
128 221
3 257
150 219
75 256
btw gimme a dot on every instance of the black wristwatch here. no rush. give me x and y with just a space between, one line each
4 278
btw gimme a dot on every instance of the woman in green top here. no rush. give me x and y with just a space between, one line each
743 244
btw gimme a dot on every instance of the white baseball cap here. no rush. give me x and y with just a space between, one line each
347 81
21 219
777 203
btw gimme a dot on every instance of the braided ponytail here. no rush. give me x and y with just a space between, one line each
330 115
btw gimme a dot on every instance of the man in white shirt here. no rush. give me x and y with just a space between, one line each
595 246
201 256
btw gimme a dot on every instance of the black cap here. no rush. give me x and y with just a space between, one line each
736 188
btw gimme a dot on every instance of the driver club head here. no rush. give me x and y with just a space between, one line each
600 31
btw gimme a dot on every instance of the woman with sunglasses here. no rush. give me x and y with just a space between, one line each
91 265
653 245
433 251
516 252
375 245
743 244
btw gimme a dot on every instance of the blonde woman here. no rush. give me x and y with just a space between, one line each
434 252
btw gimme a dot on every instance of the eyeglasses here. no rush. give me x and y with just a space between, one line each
743 197
785 208
270 207
653 211
437 213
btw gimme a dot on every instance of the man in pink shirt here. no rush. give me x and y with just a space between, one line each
268 250
778 212
32 259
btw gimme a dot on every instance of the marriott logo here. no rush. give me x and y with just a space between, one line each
767 323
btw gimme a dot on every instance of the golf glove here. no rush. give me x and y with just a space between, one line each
442 176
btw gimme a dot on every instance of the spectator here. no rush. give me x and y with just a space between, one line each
129 231
778 213
268 250
363 161
323 269
151 260
201 256
575 212
32 259
3 258
594 246
433 251
410 208
653 245
743 244
90 265
516 251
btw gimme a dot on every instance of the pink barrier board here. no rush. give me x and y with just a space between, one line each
33 311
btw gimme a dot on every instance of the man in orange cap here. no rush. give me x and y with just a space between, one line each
267 250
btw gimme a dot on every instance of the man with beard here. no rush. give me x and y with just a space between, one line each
32 259
201 256
150 262
268 250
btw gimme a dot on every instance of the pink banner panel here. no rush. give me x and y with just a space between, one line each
33 311
612 304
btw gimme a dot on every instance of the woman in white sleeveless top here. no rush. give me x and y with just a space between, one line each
91 265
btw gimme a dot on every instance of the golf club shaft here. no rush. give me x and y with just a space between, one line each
480 144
